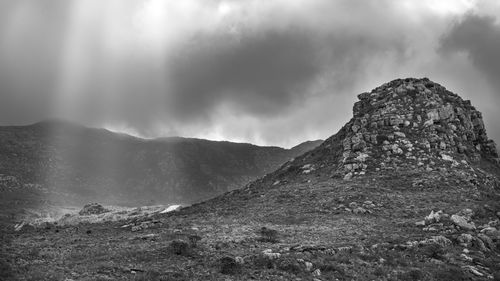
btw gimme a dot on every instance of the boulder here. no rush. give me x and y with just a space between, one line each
92 209
462 222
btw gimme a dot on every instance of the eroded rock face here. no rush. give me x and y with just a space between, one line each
415 124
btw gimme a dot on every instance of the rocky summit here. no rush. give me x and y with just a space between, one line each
411 124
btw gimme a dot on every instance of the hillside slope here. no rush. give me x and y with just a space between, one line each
83 164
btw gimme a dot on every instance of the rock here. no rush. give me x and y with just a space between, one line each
317 272
488 242
462 222
359 210
381 129
348 176
466 213
239 260
473 270
400 134
268 253
308 265
420 223
494 223
465 239
491 232
434 217
446 157
465 258
92 209
19 226
441 240
479 244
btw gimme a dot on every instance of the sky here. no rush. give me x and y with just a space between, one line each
269 72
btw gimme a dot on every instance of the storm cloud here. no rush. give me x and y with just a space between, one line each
269 72
479 37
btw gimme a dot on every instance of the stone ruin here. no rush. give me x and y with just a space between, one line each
413 124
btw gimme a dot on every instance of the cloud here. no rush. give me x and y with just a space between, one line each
266 65
479 37
272 72
262 72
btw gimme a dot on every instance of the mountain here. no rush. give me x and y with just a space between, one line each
408 189
80 164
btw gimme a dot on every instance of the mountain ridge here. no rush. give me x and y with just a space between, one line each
67 157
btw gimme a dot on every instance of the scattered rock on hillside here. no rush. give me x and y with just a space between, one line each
93 209
462 222
434 217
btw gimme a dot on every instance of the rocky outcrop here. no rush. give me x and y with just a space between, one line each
92 209
414 124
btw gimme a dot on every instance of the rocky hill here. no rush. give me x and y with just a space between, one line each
81 164
410 124
408 189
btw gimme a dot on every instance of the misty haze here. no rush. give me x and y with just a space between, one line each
249 140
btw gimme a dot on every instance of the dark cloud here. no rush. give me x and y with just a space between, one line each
479 37
268 71
262 72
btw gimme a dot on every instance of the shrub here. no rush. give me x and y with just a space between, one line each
193 240
290 265
263 261
433 250
179 247
268 235
229 266
379 272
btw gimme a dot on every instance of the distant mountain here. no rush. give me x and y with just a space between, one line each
81 164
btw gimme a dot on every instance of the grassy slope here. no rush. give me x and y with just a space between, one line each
305 211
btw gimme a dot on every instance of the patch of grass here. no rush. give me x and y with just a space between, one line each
290 265
380 271
434 251
450 273
6 272
496 276
412 275
148 276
